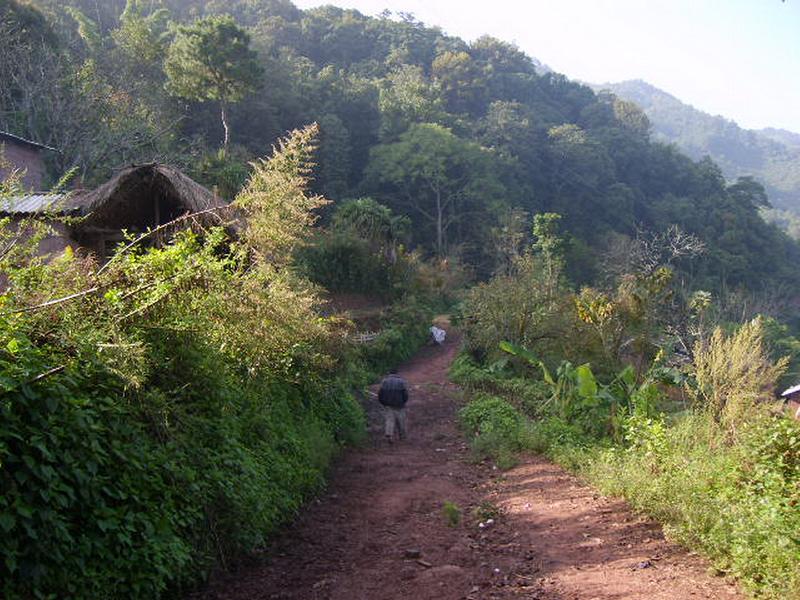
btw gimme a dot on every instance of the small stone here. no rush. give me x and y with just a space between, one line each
412 553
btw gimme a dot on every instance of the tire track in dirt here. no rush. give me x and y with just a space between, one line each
378 533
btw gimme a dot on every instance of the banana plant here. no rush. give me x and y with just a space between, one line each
577 396
569 381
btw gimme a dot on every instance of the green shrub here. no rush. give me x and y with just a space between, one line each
88 508
342 262
527 395
452 513
497 429
489 414
735 503
153 431
138 498
734 372
404 329
224 171
553 433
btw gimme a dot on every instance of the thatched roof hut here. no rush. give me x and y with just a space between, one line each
144 194
137 198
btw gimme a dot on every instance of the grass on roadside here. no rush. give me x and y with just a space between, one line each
738 503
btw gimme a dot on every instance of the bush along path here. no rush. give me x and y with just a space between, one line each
419 520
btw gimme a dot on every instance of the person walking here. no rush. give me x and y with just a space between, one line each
393 395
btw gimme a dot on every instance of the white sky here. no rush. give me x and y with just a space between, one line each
736 58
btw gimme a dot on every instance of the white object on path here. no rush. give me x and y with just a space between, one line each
438 334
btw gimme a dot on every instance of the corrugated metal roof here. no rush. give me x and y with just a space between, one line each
4 135
34 203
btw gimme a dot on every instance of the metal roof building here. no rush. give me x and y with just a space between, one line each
35 204
10 137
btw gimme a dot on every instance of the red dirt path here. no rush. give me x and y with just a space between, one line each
554 539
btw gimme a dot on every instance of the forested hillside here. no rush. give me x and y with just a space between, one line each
770 155
459 137
168 406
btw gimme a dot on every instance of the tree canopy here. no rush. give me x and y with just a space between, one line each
211 59
455 136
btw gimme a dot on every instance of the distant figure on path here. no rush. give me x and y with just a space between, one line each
393 395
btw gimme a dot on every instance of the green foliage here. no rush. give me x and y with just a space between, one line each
223 171
342 262
403 330
489 414
212 60
577 397
734 373
452 513
497 429
453 135
552 435
771 155
280 212
782 344
734 503
437 177
373 222
721 476
526 306
141 36
407 97
173 410
361 252
528 395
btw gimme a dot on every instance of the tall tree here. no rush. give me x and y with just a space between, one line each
212 60
439 177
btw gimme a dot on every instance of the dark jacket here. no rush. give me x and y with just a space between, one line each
393 392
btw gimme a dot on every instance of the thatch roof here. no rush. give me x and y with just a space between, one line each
136 188
132 190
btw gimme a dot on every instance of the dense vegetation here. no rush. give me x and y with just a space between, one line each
660 398
458 137
770 155
163 414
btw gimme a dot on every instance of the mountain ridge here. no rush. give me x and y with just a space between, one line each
771 155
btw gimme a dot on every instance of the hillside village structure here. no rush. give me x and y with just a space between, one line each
138 198
24 155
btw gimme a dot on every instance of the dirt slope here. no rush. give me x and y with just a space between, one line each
379 532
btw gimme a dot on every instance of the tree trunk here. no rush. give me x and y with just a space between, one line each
224 124
439 231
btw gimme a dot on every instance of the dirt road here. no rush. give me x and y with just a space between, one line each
379 533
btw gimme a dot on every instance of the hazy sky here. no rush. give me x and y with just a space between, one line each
736 58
